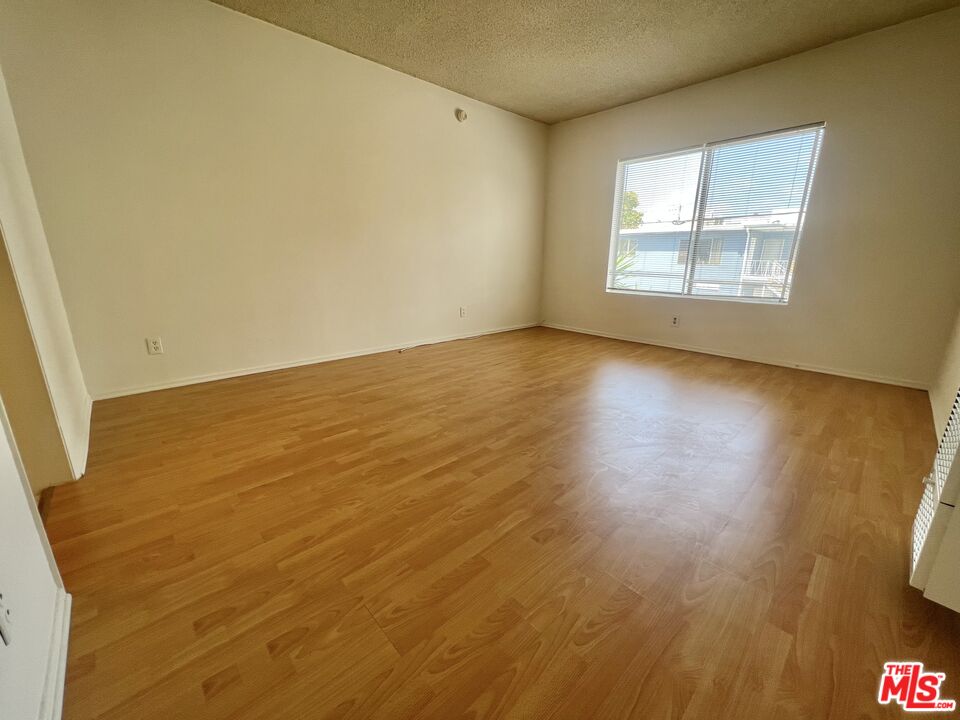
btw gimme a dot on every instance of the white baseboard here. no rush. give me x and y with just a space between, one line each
78 458
197 379
901 382
210 377
51 702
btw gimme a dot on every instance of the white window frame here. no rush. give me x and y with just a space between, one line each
698 221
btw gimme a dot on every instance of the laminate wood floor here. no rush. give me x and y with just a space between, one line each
535 524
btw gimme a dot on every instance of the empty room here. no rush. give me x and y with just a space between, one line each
556 360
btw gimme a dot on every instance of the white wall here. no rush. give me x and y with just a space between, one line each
40 293
31 666
943 392
257 198
878 272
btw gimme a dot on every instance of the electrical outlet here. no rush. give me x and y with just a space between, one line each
675 322
154 346
6 618
463 311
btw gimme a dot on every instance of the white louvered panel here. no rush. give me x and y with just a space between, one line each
947 472
934 567
943 584
928 529
922 523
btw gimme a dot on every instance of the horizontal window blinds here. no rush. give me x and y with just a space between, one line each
722 220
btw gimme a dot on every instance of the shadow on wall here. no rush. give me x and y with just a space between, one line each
24 390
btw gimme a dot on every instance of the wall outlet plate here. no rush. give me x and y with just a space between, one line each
154 346
675 322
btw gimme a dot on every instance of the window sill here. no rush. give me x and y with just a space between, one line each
773 302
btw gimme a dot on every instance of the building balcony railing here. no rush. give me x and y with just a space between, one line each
765 270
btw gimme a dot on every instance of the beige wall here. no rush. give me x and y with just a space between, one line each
24 391
943 392
878 271
45 321
257 198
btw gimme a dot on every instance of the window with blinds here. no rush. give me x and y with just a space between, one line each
722 220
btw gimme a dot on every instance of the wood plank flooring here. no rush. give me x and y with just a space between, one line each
535 524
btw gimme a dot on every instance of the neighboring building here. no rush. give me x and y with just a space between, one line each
736 260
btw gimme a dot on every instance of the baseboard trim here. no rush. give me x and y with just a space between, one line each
51 702
900 382
211 377
79 465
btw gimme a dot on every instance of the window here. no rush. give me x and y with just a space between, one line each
708 252
738 203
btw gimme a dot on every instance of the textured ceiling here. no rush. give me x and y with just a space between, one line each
552 60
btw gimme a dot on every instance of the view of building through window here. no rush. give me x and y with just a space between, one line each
739 204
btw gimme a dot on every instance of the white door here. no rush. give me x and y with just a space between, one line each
34 606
